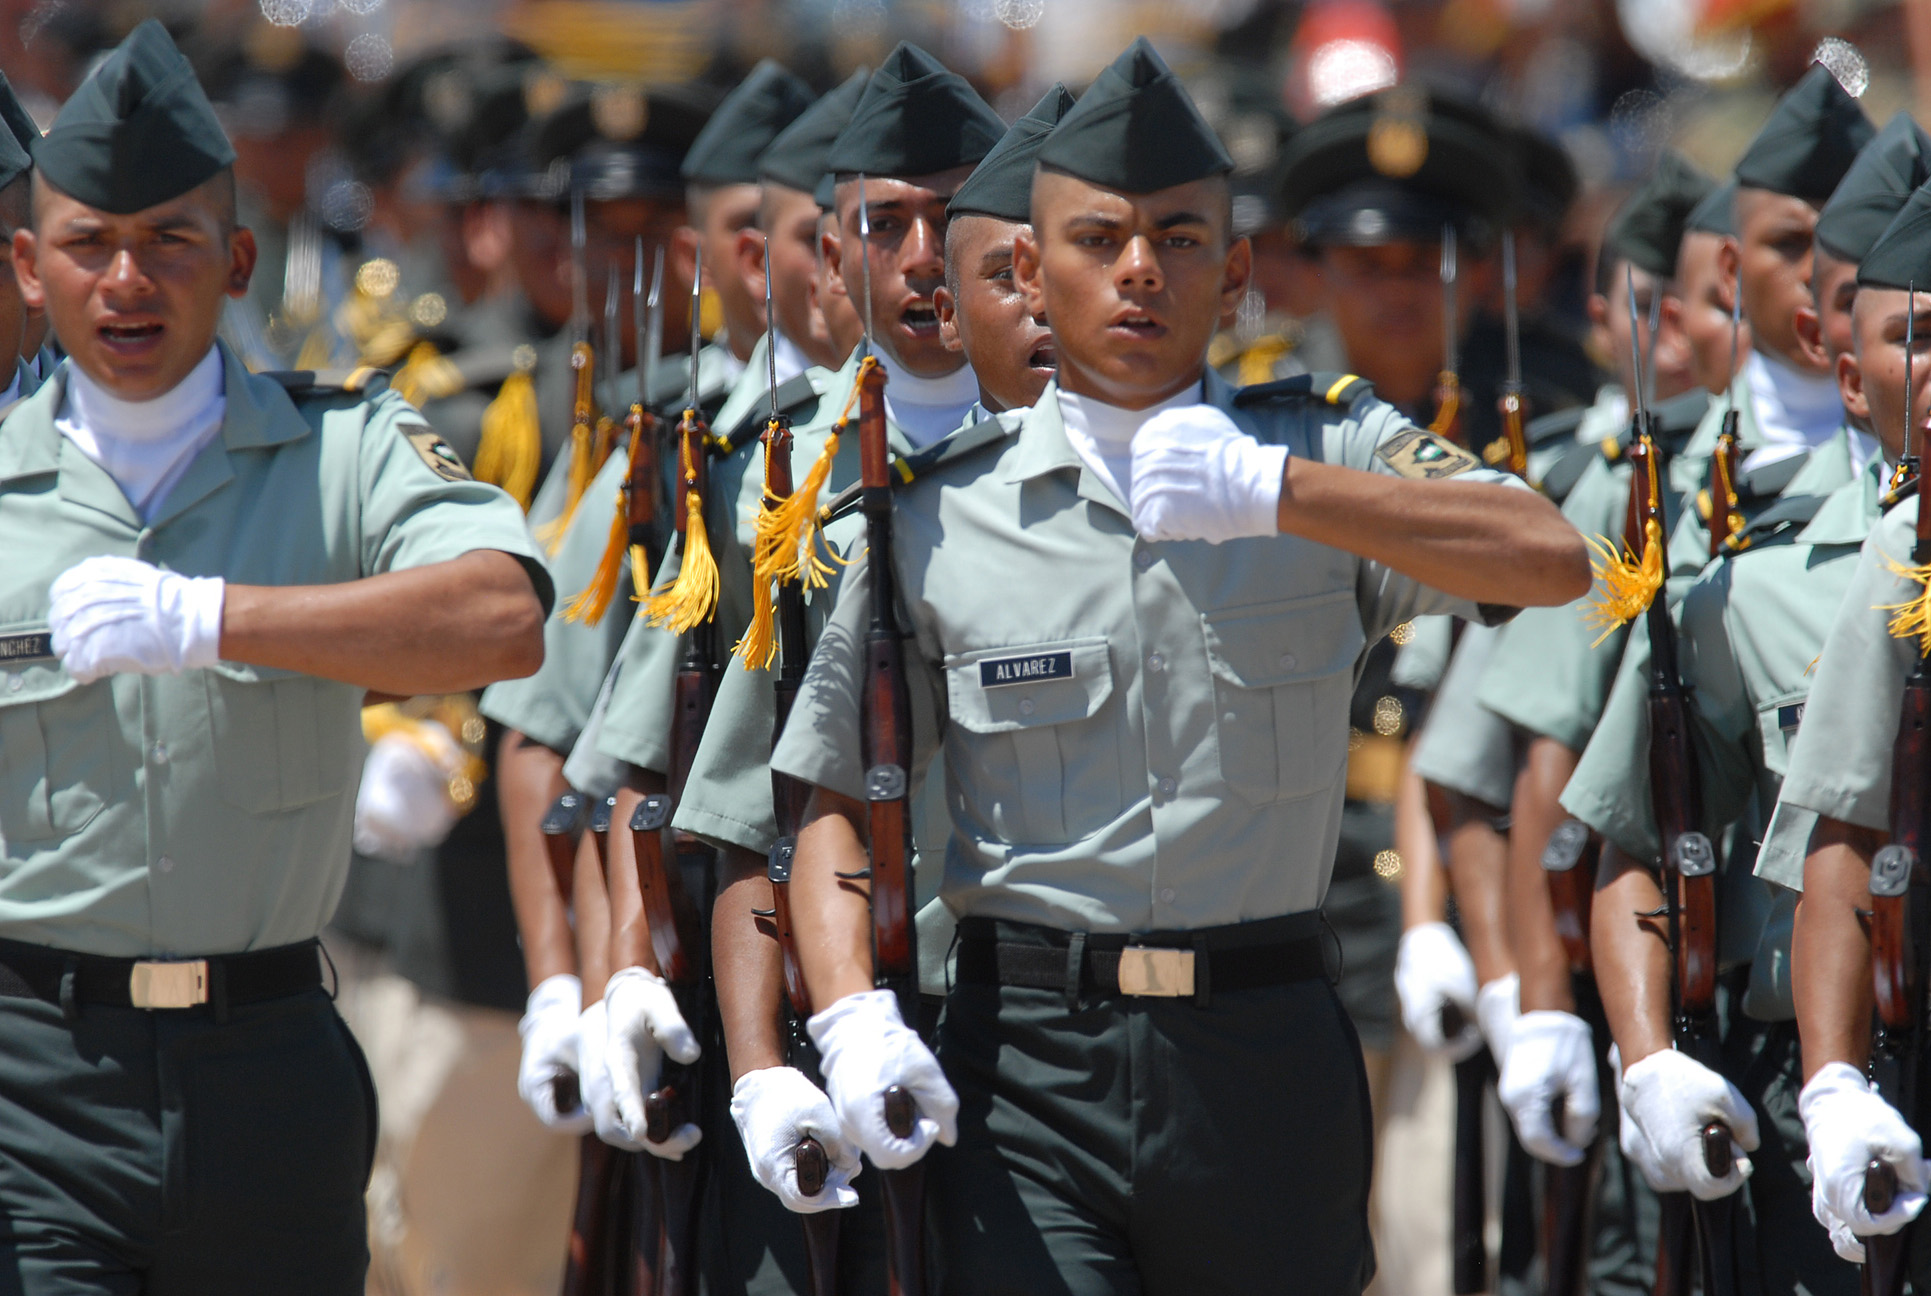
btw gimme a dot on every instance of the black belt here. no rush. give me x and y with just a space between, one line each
69 979
1162 964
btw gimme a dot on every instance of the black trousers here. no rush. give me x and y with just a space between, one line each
169 1154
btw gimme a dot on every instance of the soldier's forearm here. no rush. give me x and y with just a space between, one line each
1830 950
1539 954
529 776
630 944
443 628
1480 541
830 915
748 965
1424 883
1631 957
1478 870
590 901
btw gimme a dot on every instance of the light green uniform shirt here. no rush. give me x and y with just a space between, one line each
1138 736
207 812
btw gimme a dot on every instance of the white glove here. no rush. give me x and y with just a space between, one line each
1497 1006
1432 970
549 1031
865 1048
1196 476
645 1025
1551 1058
122 615
1844 1242
1666 1101
775 1109
403 805
593 1078
1848 1126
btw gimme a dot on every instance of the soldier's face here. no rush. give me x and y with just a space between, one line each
907 253
134 299
790 220
721 214
1133 284
1870 377
1773 264
1705 287
1824 325
1009 348
1386 303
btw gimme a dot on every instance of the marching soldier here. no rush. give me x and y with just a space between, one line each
204 563
1702 307
1183 755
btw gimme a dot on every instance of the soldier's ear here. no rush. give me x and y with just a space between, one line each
1809 326
1025 269
1850 386
26 269
242 254
947 307
1238 274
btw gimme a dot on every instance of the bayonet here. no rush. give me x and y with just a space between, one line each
770 335
654 323
638 327
1451 351
865 255
697 340
1514 413
1637 382
1649 343
612 342
579 271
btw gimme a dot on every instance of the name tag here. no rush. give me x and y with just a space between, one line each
1789 716
29 645
999 672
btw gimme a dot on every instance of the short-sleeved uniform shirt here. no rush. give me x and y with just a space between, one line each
1137 735
206 812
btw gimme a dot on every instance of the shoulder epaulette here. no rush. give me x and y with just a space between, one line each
907 469
792 395
1788 513
1560 423
1334 388
1771 480
1565 472
364 380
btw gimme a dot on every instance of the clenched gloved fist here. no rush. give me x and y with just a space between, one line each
775 1109
645 1027
1498 1005
865 1047
1196 476
593 1076
549 1031
1551 1059
1432 972
124 616
1848 1126
1667 1099
403 806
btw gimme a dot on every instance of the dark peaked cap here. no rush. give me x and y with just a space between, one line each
1901 257
796 158
1136 130
1716 214
1875 189
18 121
1648 228
1002 185
1809 141
726 151
138 132
916 118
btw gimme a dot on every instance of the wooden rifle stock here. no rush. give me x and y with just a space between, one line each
1569 866
1448 407
1515 434
643 486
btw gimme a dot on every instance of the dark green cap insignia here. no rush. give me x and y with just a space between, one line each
726 151
916 118
1136 130
138 132
20 124
1647 229
1875 189
1002 185
1716 214
796 157
1901 257
1809 142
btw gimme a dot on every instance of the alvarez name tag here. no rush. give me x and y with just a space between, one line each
1000 672
26 646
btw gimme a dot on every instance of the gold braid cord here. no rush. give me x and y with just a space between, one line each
1626 583
1911 619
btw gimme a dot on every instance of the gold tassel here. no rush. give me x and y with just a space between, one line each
689 600
511 446
1625 584
1911 619
1733 513
550 534
589 606
425 376
789 534
760 642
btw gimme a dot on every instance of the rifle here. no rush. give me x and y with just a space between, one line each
644 501
1901 925
1569 864
1726 518
1468 1188
1448 383
1514 408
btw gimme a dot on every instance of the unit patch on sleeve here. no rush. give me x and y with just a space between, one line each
1424 455
27 645
436 452
998 672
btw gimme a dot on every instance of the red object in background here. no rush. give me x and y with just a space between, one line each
1342 49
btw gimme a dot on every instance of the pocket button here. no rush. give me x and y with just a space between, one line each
1168 787
1143 559
1027 706
1156 663
15 683
159 753
1288 661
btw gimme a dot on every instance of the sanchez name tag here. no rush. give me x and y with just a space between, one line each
999 672
29 645
1789 716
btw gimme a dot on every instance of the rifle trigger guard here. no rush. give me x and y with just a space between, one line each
1891 870
861 875
764 913
1691 855
1659 912
652 814
885 783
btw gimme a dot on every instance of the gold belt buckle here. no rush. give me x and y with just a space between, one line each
173 984
1156 972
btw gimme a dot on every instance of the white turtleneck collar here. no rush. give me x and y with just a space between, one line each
927 409
1795 411
145 446
1102 435
790 360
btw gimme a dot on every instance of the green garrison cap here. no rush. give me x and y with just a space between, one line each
1812 137
1875 189
1716 214
1901 257
138 132
916 118
1002 185
1648 228
726 151
1136 130
17 120
796 158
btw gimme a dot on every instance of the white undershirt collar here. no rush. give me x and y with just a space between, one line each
145 446
1102 434
926 409
790 360
1795 411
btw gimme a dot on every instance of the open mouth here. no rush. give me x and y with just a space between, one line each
129 335
1044 357
920 319
1138 324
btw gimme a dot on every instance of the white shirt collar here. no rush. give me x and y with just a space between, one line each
1102 434
1795 411
145 446
926 409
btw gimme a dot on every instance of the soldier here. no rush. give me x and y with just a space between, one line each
15 166
205 562
1701 307
1170 750
34 349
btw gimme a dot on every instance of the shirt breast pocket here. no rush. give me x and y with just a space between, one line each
1040 762
1283 674
278 741
57 739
